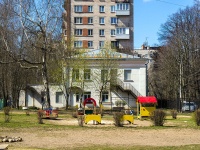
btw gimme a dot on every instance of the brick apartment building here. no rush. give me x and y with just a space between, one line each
91 24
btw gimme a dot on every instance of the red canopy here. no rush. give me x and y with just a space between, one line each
148 99
89 101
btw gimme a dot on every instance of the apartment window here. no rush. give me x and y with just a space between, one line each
90 32
90 20
101 32
112 32
78 44
113 20
87 74
112 8
90 8
90 44
59 97
122 30
78 8
101 9
101 44
78 32
75 74
105 97
101 20
122 6
104 75
87 95
127 75
77 97
114 44
78 20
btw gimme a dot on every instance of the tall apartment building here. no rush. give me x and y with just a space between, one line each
93 23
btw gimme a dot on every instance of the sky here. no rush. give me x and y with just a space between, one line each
150 14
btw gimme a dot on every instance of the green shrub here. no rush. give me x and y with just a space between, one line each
197 117
118 119
174 113
158 117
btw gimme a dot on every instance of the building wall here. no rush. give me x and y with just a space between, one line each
123 21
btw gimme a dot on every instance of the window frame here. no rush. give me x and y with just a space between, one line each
90 20
86 95
111 9
87 74
90 44
113 20
111 32
101 44
78 20
58 96
122 6
78 44
78 8
102 9
90 32
102 20
90 8
101 32
105 96
78 32
127 74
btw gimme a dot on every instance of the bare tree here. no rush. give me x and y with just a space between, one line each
178 73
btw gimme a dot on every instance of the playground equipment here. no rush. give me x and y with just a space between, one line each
145 106
49 112
90 114
129 118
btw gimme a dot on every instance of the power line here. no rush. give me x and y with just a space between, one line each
171 3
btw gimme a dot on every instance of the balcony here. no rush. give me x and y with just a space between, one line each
122 36
122 12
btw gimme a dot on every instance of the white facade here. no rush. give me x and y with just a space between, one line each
130 82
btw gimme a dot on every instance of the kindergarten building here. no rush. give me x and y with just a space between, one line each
128 78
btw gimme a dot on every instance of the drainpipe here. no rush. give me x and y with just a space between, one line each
147 89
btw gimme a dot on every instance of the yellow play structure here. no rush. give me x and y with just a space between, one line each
145 106
91 113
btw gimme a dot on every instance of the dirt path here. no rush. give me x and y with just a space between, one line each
126 136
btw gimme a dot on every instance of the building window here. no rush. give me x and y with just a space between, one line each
101 9
90 8
127 75
86 74
78 32
101 44
87 95
101 20
59 97
101 32
90 44
112 8
122 30
78 20
75 74
113 20
112 32
90 20
65 32
105 97
114 44
90 32
104 75
77 97
78 44
78 8
122 6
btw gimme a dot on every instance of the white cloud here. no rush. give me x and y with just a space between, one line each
147 0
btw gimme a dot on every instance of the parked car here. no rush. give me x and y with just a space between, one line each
189 106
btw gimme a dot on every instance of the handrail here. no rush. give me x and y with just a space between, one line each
128 86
